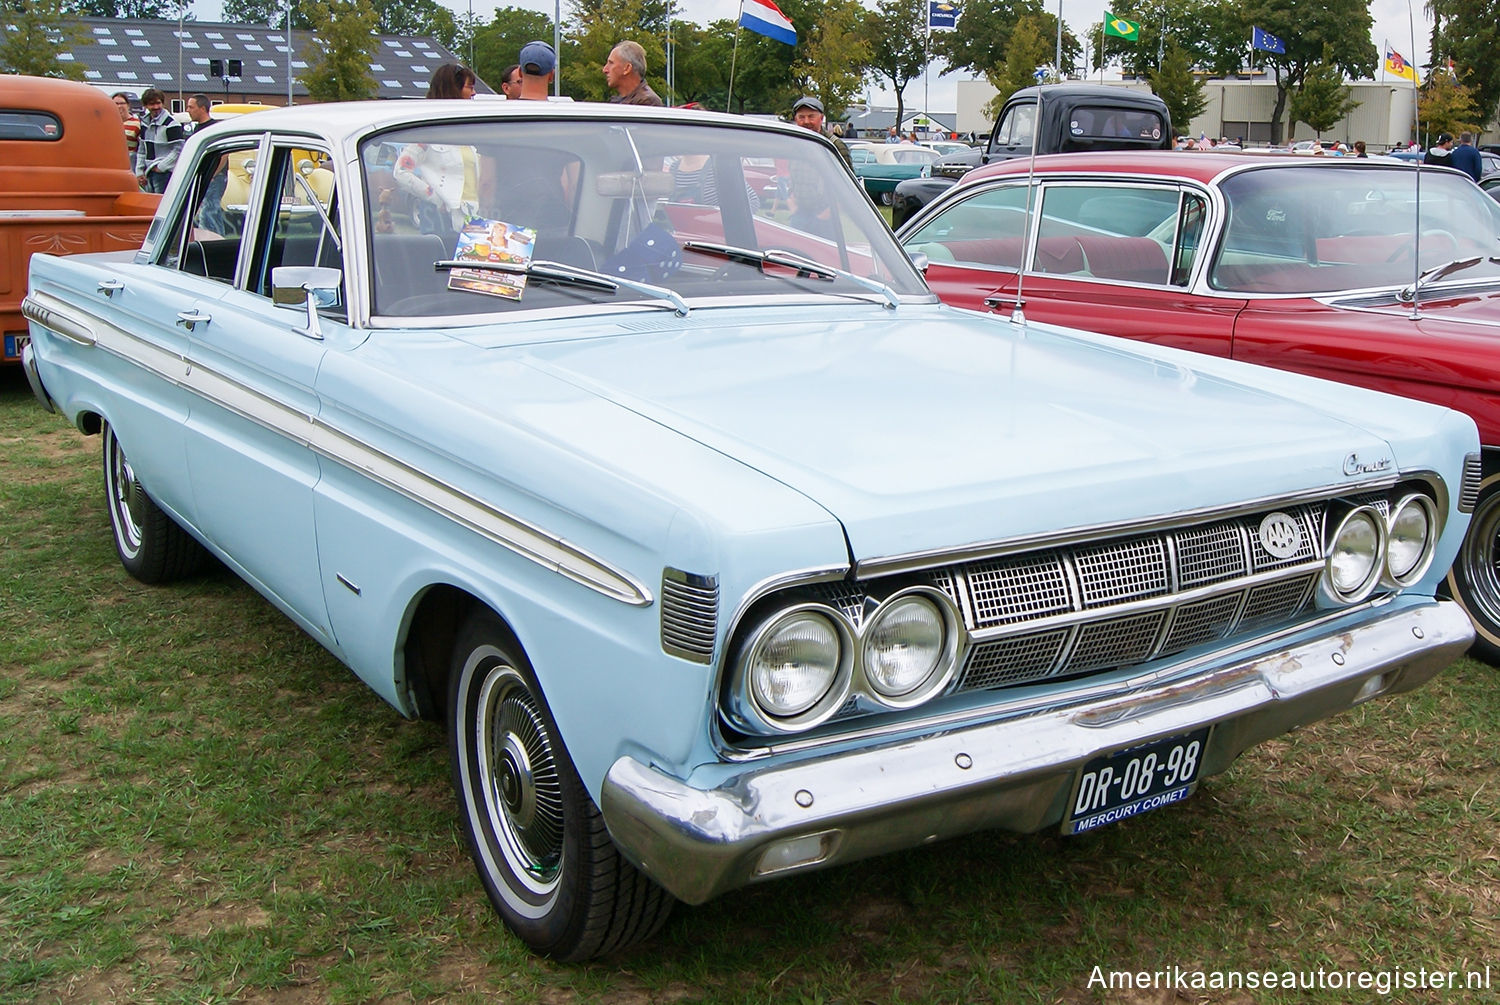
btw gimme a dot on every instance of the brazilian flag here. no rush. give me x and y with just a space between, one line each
1121 28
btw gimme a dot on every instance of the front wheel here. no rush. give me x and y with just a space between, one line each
1474 579
151 546
537 838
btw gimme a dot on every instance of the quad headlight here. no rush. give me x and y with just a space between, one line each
801 664
907 648
1356 554
794 670
1410 540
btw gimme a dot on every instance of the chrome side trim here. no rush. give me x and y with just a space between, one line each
1079 535
511 532
1468 492
35 309
1013 774
689 614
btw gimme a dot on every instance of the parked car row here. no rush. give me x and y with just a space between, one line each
725 549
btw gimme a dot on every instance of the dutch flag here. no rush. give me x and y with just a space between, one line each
764 18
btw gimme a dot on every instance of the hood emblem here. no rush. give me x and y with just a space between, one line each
1281 535
1357 465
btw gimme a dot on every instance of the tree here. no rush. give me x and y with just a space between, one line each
498 44
339 57
833 59
1028 49
1342 26
1175 84
267 12
159 10
600 25
979 41
1468 32
1446 106
417 17
896 39
1324 98
37 35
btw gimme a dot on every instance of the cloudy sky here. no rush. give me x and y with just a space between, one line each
1394 22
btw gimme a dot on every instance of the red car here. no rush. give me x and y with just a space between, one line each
1325 267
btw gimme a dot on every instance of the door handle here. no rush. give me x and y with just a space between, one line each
108 287
192 319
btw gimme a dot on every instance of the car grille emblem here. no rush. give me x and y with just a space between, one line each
1280 535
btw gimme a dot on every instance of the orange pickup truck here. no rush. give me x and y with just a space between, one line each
65 184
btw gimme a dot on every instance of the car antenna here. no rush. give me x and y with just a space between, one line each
1416 117
1018 316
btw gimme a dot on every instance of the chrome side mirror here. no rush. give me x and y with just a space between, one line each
308 287
920 260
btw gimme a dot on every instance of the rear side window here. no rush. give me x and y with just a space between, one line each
1105 123
28 125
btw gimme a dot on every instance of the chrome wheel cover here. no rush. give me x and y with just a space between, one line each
516 773
127 500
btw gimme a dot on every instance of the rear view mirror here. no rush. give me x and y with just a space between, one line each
307 287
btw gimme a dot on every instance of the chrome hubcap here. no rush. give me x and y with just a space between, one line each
518 776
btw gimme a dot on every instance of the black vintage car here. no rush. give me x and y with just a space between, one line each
1074 117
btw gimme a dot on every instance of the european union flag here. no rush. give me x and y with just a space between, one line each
1266 42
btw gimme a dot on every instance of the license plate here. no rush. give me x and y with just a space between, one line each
14 344
1124 784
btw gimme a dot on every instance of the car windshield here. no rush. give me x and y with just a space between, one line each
684 209
1293 231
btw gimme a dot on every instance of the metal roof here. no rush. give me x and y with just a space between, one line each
132 54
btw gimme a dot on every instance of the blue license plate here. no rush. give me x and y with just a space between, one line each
14 344
1124 784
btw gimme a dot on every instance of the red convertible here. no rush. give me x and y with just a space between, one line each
1365 271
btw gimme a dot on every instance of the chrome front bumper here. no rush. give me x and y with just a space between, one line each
1014 774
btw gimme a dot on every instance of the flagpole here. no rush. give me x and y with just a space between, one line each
729 101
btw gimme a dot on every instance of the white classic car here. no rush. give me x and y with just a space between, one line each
725 550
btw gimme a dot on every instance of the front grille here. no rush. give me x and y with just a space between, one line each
1096 606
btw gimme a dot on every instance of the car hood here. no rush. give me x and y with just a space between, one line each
933 428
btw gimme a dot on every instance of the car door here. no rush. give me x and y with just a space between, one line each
247 444
154 304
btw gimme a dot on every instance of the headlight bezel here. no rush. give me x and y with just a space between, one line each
1373 575
745 695
938 677
1413 500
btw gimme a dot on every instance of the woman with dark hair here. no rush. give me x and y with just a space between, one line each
452 80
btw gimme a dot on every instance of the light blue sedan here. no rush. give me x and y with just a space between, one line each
723 548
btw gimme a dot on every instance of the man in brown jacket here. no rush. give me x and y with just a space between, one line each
625 72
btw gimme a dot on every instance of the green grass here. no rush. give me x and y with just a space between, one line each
198 804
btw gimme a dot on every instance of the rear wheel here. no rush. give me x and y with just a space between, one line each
1474 579
151 546
537 838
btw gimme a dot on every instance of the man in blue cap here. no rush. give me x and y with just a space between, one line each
538 64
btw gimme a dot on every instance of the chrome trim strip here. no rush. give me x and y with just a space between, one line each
1077 535
509 531
1015 774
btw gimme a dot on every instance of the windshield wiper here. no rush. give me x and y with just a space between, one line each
1409 294
541 268
792 260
